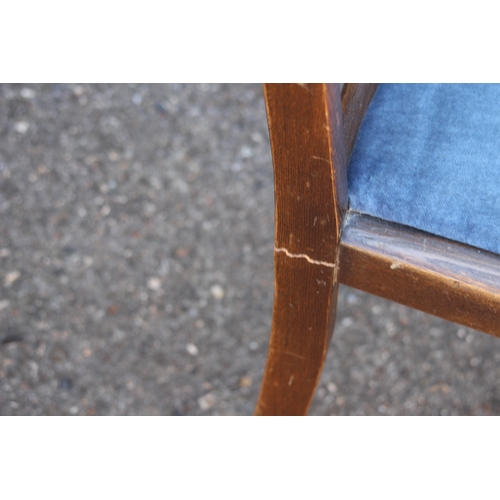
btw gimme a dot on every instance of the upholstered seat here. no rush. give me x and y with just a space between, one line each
428 156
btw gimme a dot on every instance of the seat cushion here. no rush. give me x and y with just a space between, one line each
428 156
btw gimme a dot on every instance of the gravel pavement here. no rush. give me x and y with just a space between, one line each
136 268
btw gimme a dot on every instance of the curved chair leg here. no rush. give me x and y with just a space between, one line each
303 317
305 124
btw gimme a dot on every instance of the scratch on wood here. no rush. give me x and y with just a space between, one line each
395 265
322 159
290 382
304 86
293 354
304 256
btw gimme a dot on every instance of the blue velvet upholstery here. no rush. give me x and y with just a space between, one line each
428 156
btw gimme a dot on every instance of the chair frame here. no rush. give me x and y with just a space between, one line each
320 243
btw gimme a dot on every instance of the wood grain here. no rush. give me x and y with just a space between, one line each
435 275
356 98
306 131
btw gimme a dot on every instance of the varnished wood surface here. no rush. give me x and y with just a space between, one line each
356 98
438 276
305 126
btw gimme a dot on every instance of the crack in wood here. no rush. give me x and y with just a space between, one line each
304 256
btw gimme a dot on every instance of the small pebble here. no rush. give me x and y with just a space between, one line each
27 93
436 332
347 322
246 152
217 291
105 210
331 387
11 277
207 401
246 381
256 137
154 284
88 261
21 127
475 361
181 252
352 299
118 335
112 309
113 155
192 349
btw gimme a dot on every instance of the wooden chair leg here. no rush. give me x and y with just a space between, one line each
304 314
305 124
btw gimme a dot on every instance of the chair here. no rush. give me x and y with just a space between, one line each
416 219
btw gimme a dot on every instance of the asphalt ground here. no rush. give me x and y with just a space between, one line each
136 268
